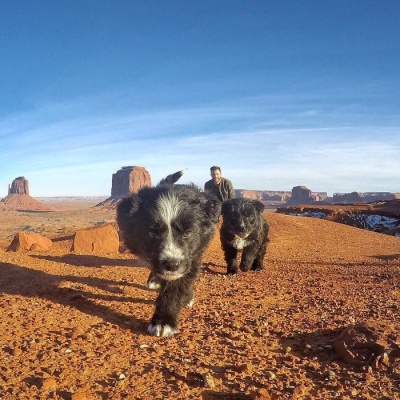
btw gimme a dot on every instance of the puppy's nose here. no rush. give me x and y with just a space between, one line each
170 265
242 228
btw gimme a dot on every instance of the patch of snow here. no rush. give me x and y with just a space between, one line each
309 214
374 221
314 214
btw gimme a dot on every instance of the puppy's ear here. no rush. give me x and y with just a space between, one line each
224 208
258 206
127 208
213 209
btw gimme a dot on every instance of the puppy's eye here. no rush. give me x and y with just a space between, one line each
181 229
236 216
155 230
153 233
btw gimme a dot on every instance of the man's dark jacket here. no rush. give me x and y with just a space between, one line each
223 191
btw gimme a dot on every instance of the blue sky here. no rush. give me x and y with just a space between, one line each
277 93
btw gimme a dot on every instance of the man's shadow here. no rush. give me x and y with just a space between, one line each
19 280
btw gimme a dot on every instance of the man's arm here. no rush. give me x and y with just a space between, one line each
231 191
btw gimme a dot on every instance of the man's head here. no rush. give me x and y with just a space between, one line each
216 174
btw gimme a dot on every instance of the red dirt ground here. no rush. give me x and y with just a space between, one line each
73 326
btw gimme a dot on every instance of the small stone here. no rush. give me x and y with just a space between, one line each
270 375
16 351
244 368
121 377
261 394
209 381
385 359
288 349
79 396
49 384
328 347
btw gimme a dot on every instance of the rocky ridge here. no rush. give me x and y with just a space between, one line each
382 217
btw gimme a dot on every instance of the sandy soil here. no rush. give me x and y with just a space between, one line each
73 326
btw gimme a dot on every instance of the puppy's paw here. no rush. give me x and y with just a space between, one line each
161 330
232 272
190 303
153 283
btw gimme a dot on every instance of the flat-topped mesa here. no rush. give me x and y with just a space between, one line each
126 181
129 180
19 185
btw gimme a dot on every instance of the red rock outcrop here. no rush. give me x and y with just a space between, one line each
367 197
19 185
277 196
375 343
250 194
301 195
126 181
129 180
353 197
29 242
97 239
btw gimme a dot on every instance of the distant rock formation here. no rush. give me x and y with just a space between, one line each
280 197
129 180
19 185
370 197
249 194
18 198
353 197
126 181
300 195
367 197
266 196
276 196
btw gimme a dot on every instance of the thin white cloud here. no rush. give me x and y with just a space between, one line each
63 152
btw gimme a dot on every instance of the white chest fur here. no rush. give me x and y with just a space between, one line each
239 243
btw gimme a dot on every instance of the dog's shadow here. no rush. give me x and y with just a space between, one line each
209 268
21 281
87 260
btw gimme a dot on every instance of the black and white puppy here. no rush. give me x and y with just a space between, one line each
243 229
170 226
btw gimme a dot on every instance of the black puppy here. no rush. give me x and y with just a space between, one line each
243 229
170 226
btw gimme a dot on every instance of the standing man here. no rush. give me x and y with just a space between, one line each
219 186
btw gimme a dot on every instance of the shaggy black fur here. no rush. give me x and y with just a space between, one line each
170 226
243 229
